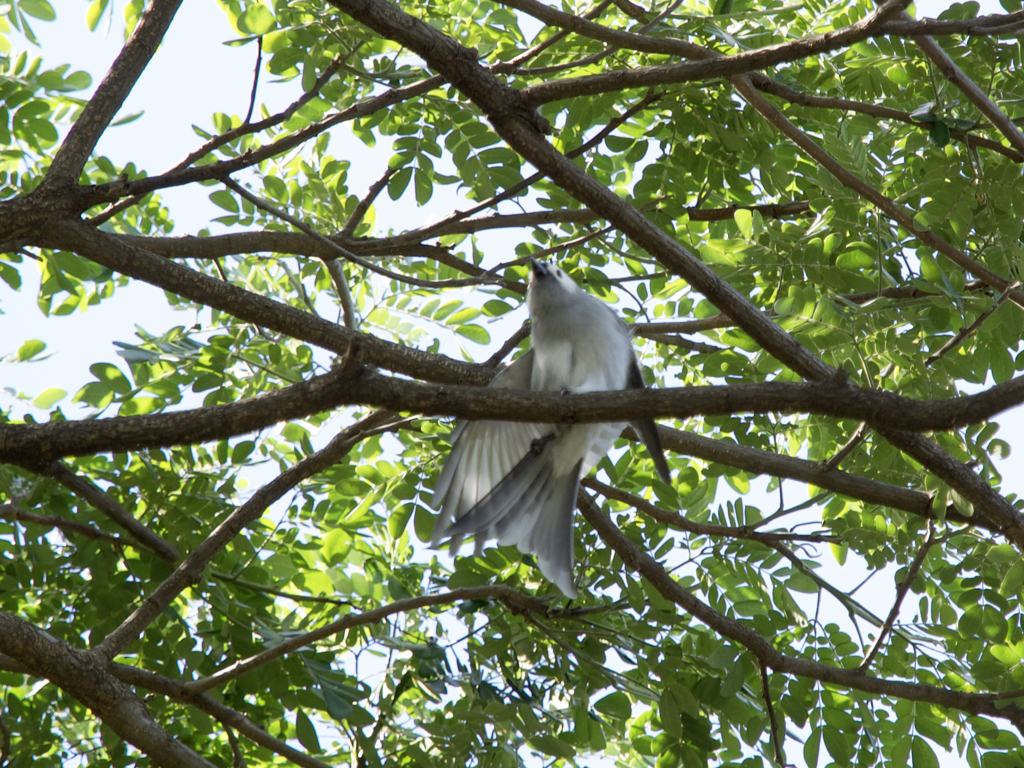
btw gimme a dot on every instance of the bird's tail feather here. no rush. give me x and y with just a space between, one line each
531 507
506 494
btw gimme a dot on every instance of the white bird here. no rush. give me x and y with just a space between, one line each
517 482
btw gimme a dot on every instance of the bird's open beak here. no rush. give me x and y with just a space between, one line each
539 268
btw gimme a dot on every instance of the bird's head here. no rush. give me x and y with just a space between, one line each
548 278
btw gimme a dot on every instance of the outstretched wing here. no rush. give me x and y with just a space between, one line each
483 452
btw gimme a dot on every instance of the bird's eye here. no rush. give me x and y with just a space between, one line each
558 272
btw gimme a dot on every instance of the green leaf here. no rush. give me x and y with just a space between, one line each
924 114
30 349
48 397
495 308
129 117
930 269
839 745
398 520
939 134
553 746
112 377
95 12
745 221
306 733
225 200
474 333
922 755
38 9
615 705
857 256
811 748
257 20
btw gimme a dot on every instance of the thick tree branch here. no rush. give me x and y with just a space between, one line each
814 473
712 66
113 252
993 24
82 675
110 95
348 385
173 689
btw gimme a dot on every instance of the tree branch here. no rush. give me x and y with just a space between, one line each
969 89
517 602
963 333
351 385
110 95
710 67
777 735
88 491
15 513
993 24
681 523
359 212
636 559
77 673
216 142
191 569
775 88
901 593
173 689
115 253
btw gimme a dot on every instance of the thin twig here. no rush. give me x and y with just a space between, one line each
513 64
5 741
679 341
595 140
237 758
767 85
348 306
344 252
901 592
681 523
15 513
855 439
963 333
516 601
766 694
280 592
191 569
255 79
359 212
511 343
102 502
225 138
